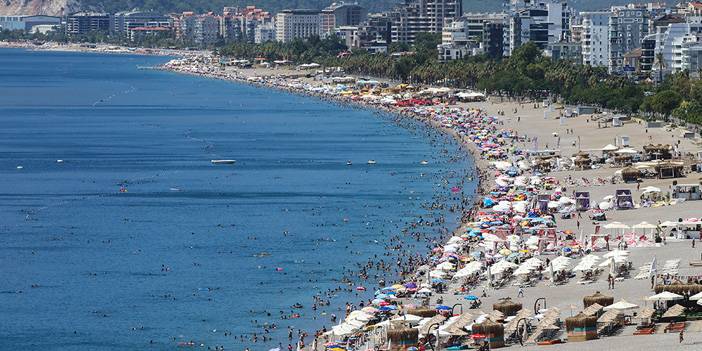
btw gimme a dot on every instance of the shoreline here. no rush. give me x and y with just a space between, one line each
523 129
480 166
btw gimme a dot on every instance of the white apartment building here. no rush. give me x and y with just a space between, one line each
669 45
292 24
595 38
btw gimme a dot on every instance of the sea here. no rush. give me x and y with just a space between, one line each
118 232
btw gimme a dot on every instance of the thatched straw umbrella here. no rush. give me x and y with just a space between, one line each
630 174
581 327
401 338
507 307
598 298
422 312
582 162
494 332
679 288
593 310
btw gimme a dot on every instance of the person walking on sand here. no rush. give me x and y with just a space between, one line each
520 292
682 337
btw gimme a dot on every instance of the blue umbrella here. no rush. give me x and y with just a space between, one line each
387 308
437 281
381 296
470 297
443 308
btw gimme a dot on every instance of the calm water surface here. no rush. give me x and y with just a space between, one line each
191 250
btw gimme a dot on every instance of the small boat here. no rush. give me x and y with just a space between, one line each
348 163
371 162
424 162
20 167
223 162
59 161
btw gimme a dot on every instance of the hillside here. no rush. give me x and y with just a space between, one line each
55 7
37 7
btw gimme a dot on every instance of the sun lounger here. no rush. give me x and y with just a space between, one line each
674 327
645 331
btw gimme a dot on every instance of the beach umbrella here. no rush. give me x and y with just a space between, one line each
699 302
651 189
665 296
669 224
622 305
616 253
477 336
616 225
443 308
411 285
470 297
644 225
387 308
696 297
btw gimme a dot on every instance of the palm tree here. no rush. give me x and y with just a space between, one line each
661 65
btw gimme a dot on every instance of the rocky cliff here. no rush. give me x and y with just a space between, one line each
37 7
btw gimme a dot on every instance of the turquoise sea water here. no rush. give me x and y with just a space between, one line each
192 251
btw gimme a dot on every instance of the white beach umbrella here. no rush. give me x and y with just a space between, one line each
616 225
455 240
616 253
501 266
627 151
651 189
524 270
669 224
644 225
665 296
621 305
584 266
609 147
445 266
591 258
696 297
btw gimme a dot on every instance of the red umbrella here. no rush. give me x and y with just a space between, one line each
478 336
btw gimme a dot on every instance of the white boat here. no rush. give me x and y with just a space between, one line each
371 162
223 162
424 162
20 167
59 161
348 163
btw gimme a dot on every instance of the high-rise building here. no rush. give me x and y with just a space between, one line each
342 14
122 22
422 16
628 25
471 34
205 29
293 24
200 30
541 22
81 23
595 38
692 58
264 33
